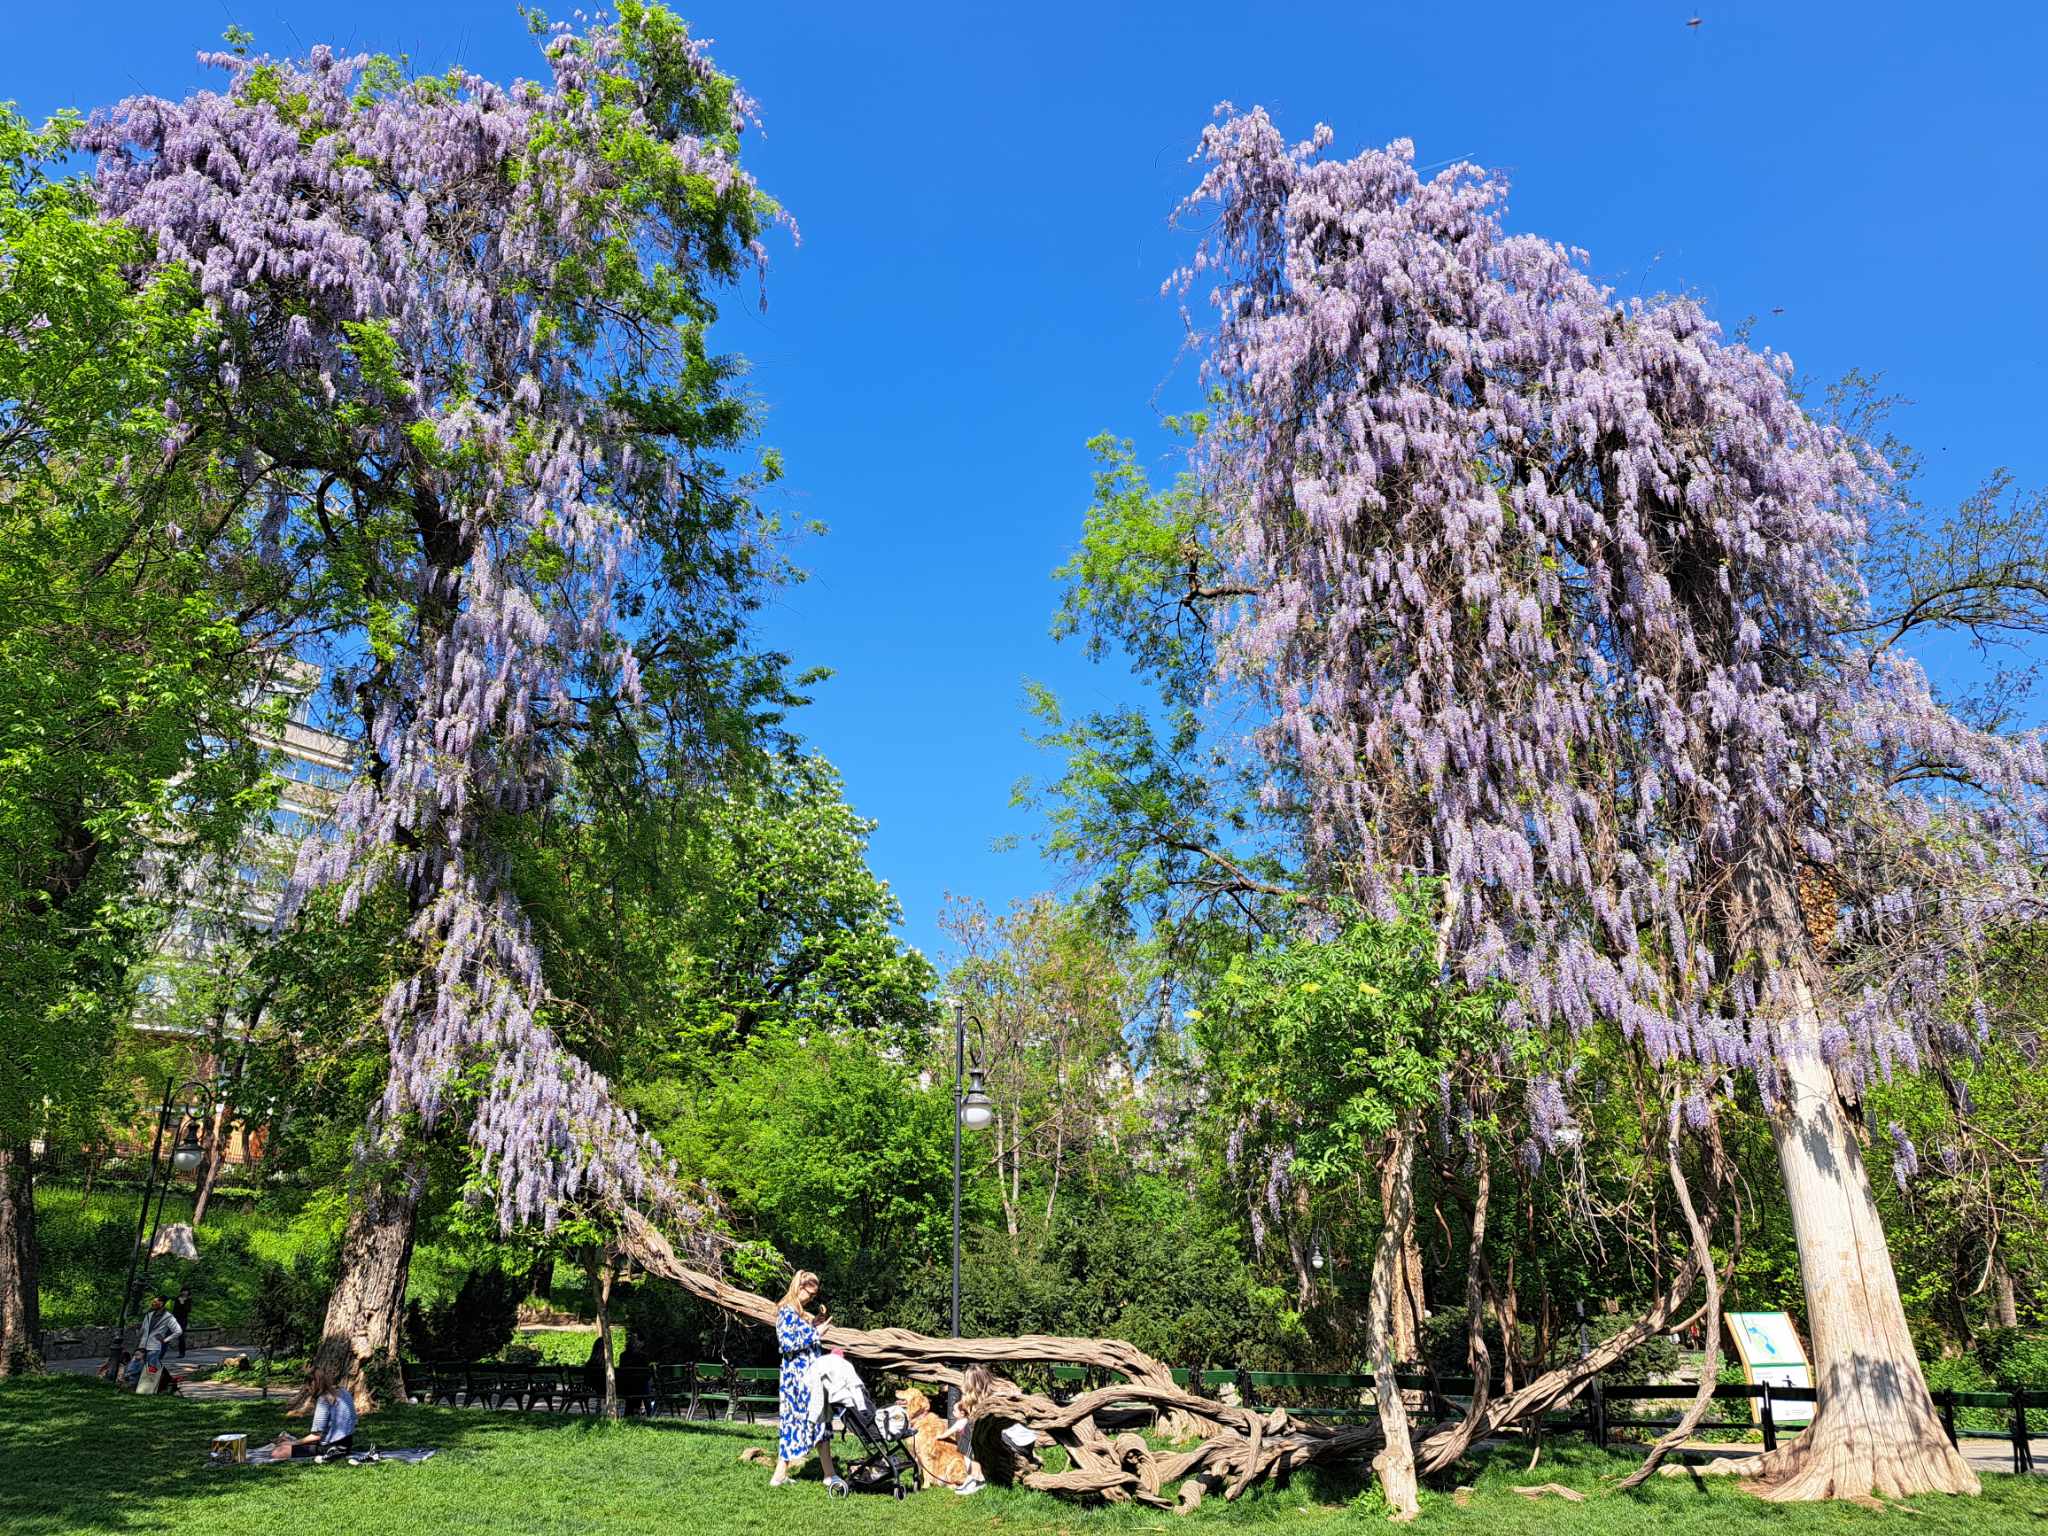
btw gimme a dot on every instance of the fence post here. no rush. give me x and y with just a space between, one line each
1194 1381
1947 1398
1764 1416
1599 1402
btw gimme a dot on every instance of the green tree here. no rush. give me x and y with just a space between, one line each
139 620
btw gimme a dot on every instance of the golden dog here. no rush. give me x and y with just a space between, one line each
939 1458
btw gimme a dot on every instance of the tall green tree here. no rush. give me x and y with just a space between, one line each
138 620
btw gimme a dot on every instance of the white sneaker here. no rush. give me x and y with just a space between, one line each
972 1485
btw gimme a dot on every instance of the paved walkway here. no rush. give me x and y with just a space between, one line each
198 1362
1984 1455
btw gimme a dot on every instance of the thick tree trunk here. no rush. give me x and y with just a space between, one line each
20 1307
1395 1464
366 1310
2005 1301
1874 1428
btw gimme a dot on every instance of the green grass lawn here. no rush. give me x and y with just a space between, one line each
79 1457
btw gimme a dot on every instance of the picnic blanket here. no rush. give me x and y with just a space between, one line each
362 1458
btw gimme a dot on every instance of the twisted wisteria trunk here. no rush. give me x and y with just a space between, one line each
1395 1464
1407 1298
20 1307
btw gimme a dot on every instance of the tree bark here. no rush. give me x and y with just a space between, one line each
1874 1430
2005 1301
1407 1324
600 1265
209 1170
1395 1464
21 1322
1710 1365
366 1310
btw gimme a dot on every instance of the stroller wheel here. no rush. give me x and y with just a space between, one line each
898 1490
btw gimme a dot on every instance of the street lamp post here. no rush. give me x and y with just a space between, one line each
187 1154
971 1112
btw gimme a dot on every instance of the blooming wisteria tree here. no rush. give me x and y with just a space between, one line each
1549 594
463 327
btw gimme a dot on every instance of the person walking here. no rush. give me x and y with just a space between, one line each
181 1309
800 1338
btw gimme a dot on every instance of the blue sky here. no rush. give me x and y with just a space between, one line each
983 193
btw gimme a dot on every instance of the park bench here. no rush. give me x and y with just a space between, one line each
757 1387
673 1390
714 1390
1312 1394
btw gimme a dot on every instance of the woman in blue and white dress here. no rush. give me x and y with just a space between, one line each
800 1335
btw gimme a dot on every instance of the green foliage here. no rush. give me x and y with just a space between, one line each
475 1324
133 622
1328 1043
243 1246
830 1148
1145 571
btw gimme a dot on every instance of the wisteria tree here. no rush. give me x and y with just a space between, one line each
1553 600
463 329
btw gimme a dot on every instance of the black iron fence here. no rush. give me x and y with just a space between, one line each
1601 1411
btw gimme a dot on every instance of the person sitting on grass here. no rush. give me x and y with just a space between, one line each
995 1445
334 1414
967 1412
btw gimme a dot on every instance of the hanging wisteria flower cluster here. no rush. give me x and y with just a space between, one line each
473 316
1550 597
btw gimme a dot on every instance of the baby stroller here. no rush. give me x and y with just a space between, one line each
886 1465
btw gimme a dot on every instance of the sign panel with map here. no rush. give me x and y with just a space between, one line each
1770 1351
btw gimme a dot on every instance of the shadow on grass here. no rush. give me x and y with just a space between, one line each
76 1455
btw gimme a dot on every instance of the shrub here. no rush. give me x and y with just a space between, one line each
475 1325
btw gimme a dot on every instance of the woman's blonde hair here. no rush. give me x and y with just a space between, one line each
975 1388
793 1297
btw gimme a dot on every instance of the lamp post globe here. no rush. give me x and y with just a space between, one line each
977 1110
190 1153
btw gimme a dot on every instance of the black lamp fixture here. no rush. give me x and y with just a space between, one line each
973 1110
191 1151
188 1153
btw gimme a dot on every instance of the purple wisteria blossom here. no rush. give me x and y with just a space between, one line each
1550 596
488 298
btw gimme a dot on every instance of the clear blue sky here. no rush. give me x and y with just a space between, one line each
983 193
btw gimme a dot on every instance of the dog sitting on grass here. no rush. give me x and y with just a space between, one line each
939 1457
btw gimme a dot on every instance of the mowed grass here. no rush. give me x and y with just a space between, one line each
76 1456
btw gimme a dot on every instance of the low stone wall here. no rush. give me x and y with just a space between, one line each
98 1343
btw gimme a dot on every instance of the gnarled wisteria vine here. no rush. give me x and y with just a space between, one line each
1551 592
466 325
